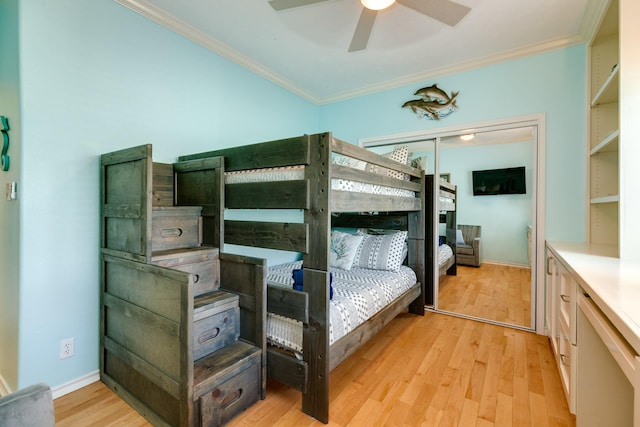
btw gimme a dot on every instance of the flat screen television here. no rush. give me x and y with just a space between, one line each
499 181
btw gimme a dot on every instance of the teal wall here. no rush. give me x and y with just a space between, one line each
96 77
552 83
503 218
9 211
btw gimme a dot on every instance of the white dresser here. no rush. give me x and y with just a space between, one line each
593 317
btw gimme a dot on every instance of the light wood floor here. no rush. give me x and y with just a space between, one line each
435 370
495 292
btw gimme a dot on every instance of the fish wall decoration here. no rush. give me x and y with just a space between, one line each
434 103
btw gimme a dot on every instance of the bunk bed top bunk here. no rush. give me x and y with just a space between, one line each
318 175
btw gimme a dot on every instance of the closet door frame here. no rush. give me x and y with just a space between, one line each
538 123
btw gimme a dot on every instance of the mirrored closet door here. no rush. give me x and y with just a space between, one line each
494 177
482 220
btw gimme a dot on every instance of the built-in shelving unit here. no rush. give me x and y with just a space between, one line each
604 133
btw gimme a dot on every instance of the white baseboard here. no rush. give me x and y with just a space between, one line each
506 264
76 384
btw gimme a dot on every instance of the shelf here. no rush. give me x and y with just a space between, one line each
609 143
609 90
605 199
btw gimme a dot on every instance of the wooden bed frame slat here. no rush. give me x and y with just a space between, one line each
287 369
267 195
378 221
344 201
283 152
288 303
271 235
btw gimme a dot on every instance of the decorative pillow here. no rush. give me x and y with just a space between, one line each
382 252
386 231
400 155
343 249
459 238
350 162
298 281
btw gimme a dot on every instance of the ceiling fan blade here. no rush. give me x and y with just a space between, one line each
363 30
445 11
290 4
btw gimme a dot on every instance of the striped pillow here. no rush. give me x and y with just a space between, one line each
381 252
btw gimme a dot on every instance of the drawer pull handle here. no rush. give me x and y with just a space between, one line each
196 278
171 232
231 399
565 298
208 335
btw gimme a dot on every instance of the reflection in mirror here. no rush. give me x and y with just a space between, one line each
423 156
494 174
479 225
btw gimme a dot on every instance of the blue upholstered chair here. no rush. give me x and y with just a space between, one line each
468 248
29 407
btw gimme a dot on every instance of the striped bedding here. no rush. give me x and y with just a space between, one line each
358 294
292 173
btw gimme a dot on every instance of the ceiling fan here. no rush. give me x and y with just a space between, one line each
446 11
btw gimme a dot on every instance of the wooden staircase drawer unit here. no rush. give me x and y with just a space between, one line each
216 322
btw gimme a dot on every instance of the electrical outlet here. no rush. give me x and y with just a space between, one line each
66 348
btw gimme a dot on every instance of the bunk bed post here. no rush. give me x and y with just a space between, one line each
416 242
315 400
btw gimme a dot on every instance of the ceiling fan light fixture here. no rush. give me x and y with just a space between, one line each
377 4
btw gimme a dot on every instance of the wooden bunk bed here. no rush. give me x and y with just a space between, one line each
323 209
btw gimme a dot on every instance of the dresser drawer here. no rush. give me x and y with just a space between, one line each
218 405
175 227
206 276
567 302
216 323
567 366
203 262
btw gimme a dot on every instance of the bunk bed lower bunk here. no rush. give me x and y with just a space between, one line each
318 175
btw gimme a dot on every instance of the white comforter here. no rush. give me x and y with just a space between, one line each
358 294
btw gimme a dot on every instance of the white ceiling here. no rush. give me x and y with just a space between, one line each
305 49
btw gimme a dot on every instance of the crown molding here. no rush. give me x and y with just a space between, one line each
508 55
168 21
593 16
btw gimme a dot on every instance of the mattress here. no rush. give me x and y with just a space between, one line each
358 294
444 254
447 204
293 173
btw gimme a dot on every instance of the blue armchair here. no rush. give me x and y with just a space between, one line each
29 407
